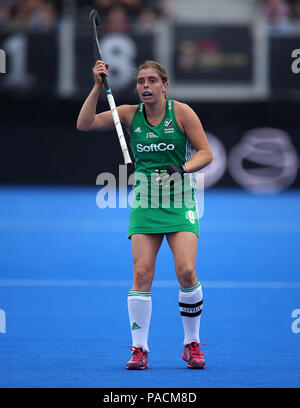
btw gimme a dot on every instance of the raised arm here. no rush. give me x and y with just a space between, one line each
88 120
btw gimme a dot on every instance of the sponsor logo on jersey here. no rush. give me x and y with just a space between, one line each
151 135
159 147
138 130
168 122
169 130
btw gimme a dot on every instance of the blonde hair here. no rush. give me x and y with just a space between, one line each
159 69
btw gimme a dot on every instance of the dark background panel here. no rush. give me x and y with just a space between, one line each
31 65
42 145
212 53
141 48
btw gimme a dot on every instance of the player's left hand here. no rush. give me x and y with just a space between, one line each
166 172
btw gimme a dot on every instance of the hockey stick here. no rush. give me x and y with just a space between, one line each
94 20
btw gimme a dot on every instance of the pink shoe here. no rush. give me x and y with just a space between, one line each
193 355
139 359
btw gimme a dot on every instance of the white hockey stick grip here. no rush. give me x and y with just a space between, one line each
119 129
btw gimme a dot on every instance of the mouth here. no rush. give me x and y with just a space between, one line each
147 93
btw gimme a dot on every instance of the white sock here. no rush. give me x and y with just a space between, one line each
190 305
139 310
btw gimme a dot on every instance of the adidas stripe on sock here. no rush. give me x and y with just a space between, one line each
190 306
139 310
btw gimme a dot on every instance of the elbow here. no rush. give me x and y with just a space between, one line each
84 124
79 125
82 127
207 157
210 157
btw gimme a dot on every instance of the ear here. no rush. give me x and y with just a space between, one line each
166 85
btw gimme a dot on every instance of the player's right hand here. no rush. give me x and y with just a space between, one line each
99 69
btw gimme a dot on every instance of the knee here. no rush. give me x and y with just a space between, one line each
187 276
143 276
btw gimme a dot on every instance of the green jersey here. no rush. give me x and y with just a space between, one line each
155 208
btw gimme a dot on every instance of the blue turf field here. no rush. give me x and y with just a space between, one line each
66 269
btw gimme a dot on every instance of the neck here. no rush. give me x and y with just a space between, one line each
156 109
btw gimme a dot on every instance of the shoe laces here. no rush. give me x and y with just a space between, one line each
137 353
195 349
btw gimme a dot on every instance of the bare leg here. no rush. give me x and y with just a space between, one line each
184 245
144 251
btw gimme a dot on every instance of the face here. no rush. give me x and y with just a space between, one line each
150 86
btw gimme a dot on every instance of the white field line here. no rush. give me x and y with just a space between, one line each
90 283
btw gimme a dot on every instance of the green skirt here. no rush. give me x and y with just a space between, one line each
162 220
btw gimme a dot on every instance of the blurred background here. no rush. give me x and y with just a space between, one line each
65 264
230 60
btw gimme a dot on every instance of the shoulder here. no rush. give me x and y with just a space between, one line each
126 113
182 109
184 115
127 109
